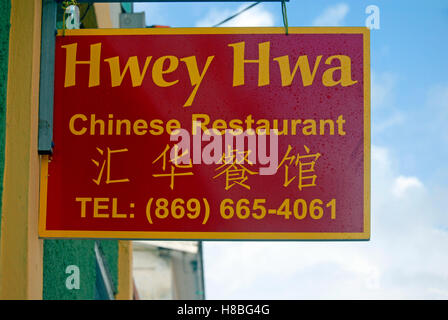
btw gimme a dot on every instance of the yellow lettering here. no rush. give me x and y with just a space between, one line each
93 123
115 214
236 124
284 129
158 71
346 72
127 126
322 123
140 127
71 62
137 75
263 127
294 123
302 63
83 205
72 124
201 118
157 125
340 123
220 125
239 61
310 127
97 207
171 125
249 122
195 77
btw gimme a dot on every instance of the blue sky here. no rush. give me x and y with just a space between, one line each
407 255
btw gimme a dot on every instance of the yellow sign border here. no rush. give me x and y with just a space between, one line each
365 235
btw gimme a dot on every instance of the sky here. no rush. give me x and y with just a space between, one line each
407 256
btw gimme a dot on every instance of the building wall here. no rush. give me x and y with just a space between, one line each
152 270
31 268
108 14
59 254
20 248
5 9
166 270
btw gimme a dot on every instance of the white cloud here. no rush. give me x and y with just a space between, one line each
332 16
404 259
403 184
257 16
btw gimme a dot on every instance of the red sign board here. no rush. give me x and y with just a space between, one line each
141 119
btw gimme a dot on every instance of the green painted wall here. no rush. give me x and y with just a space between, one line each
110 250
59 254
5 11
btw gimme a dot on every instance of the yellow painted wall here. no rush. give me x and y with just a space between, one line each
107 14
20 248
125 279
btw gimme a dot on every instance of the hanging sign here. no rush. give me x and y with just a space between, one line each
210 133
